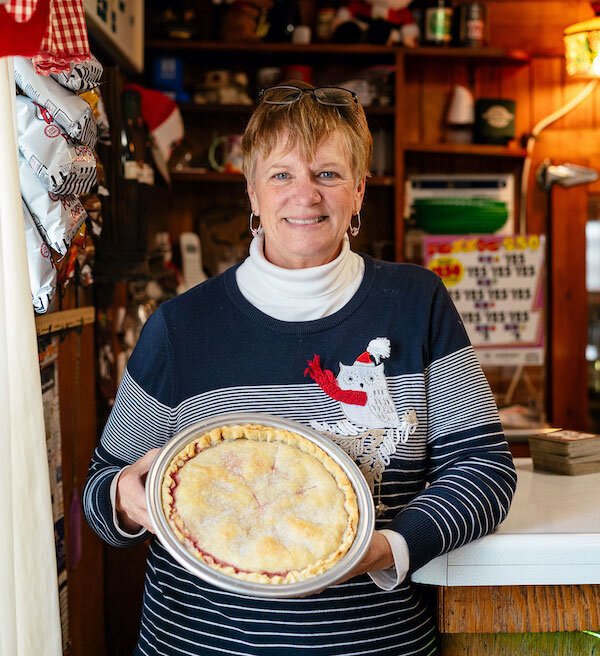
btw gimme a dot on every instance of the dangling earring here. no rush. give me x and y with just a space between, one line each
259 229
355 229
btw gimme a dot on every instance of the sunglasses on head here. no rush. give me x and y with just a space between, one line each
282 94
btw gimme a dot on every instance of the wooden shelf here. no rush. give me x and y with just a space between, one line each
194 108
488 53
56 322
210 108
381 181
204 175
268 48
499 55
477 150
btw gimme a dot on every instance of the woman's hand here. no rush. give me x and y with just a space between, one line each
379 556
132 512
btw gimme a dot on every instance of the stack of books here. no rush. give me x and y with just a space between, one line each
566 452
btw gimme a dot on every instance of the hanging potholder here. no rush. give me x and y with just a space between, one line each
23 25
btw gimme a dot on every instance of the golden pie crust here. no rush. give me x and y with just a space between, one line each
260 504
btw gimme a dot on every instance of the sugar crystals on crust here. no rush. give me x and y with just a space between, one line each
261 504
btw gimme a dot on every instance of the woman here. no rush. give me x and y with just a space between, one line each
263 337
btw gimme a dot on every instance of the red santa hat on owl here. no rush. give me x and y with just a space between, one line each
377 349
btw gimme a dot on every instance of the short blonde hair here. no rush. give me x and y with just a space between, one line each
305 124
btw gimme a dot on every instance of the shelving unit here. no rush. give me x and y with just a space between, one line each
490 54
497 55
57 322
194 108
204 175
475 150
334 57
173 45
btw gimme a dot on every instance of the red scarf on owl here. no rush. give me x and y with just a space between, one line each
325 379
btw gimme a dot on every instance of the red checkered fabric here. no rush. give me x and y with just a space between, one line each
23 24
21 10
66 40
66 37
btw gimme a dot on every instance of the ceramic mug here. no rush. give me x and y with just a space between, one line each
225 153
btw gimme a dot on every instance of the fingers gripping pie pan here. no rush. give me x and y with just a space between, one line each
195 565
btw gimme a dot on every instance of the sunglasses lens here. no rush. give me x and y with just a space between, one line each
334 96
281 95
286 95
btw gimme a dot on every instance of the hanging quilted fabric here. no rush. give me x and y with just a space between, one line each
52 32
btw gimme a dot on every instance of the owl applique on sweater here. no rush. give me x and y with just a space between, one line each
372 428
379 410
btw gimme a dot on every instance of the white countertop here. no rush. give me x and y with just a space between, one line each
550 537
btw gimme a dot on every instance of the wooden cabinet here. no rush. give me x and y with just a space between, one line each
519 619
422 80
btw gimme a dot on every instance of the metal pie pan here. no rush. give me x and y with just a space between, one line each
358 549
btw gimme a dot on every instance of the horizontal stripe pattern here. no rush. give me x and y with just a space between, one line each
80 182
451 482
470 470
139 422
336 617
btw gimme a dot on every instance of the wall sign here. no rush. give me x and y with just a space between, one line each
496 283
118 25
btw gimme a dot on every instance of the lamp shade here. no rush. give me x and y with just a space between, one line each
582 48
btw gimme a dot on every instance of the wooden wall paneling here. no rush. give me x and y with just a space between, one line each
463 74
537 201
518 609
78 431
430 163
568 308
516 85
581 116
595 103
546 97
411 114
569 305
534 25
546 90
488 82
580 146
437 85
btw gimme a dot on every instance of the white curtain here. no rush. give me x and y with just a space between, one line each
29 610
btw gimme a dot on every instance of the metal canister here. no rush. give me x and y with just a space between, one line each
472 26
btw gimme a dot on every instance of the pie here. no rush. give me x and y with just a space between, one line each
261 504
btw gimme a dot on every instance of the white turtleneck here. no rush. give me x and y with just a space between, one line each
304 295
299 294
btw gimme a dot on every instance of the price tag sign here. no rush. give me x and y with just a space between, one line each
496 283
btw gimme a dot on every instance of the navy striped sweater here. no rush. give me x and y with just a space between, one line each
441 472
